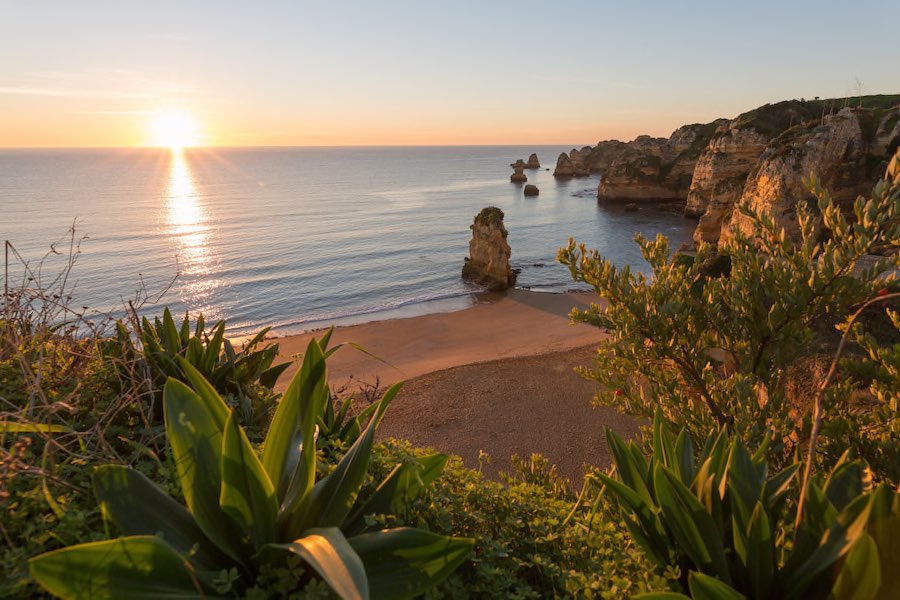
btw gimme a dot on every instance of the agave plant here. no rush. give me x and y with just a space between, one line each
230 372
244 511
728 525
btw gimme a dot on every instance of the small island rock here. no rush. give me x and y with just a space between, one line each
533 162
531 190
564 166
518 176
489 252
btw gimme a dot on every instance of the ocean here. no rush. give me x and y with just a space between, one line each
297 238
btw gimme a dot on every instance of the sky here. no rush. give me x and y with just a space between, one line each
419 72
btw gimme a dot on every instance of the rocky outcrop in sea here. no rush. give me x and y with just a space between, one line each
533 162
489 252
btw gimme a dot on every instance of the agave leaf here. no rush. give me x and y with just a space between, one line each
777 488
706 587
684 451
403 485
860 575
194 427
171 339
200 326
185 332
214 348
248 495
648 532
745 481
663 448
884 527
326 339
344 409
328 552
294 423
211 399
194 353
137 567
631 471
760 557
405 562
845 483
138 507
693 528
847 529
269 377
332 498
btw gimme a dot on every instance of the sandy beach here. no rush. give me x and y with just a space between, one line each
497 377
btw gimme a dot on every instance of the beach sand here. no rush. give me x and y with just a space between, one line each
497 377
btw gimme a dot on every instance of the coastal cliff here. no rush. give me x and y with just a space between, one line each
654 169
762 158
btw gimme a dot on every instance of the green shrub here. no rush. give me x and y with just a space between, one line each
728 526
533 539
246 512
710 347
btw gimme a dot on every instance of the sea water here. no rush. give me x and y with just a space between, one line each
296 238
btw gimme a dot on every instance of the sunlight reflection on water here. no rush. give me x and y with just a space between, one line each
187 224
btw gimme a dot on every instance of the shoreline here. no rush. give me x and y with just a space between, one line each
510 324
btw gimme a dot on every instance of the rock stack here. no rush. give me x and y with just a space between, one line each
489 252
531 190
533 162
518 175
564 166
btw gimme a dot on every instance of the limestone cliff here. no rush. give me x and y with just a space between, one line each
746 158
654 169
601 156
489 252
838 151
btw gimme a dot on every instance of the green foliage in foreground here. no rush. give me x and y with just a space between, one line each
236 374
533 537
245 512
712 349
728 525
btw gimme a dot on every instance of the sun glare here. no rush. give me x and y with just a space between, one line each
173 129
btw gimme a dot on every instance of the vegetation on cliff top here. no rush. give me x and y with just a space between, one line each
490 216
772 119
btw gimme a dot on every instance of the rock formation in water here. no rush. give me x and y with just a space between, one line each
564 166
531 190
518 164
533 162
655 169
489 252
518 175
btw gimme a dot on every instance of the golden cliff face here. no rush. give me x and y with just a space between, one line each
834 150
768 170
649 169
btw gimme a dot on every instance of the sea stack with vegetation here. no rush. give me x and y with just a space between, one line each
489 252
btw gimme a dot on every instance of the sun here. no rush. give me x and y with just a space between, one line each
173 129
